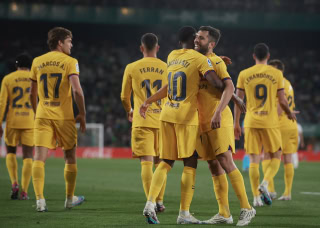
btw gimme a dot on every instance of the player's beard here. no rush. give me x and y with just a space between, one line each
204 49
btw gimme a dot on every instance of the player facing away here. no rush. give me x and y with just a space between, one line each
218 144
144 78
289 136
261 84
179 124
54 75
15 91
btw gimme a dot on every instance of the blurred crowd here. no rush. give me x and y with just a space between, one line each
102 62
293 6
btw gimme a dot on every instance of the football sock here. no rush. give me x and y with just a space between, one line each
265 164
254 176
272 170
38 178
146 175
70 176
161 194
12 166
159 177
26 174
288 178
187 187
237 183
220 186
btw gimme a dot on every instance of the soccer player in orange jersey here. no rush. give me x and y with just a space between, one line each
55 75
144 78
15 91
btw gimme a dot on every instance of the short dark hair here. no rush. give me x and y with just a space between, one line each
149 40
214 33
261 51
186 33
277 64
57 34
24 60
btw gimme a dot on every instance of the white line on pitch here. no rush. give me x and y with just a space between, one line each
311 193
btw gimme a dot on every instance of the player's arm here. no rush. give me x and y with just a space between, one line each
160 94
126 91
279 109
285 106
3 103
237 129
225 99
79 99
34 95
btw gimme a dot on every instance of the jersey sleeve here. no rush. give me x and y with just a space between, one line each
73 68
203 64
222 72
240 84
33 72
126 89
280 81
3 98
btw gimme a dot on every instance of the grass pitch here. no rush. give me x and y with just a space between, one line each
115 198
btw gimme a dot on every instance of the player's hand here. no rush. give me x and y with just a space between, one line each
82 120
241 105
143 110
237 132
130 115
292 115
226 60
216 120
1 131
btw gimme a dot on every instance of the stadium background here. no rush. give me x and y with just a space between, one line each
107 37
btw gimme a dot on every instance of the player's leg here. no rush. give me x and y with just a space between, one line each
66 134
221 189
27 141
158 179
187 143
253 148
188 179
288 176
265 163
209 143
12 166
146 172
168 152
159 201
38 175
247 213
12 137
44 139
27 153
271 142
288 151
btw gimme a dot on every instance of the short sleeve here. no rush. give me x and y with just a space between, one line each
221 69
280 81
240 84
73 68
203 64
33 72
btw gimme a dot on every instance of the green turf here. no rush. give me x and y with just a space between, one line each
115 198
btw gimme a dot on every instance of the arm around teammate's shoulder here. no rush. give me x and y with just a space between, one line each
79 99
